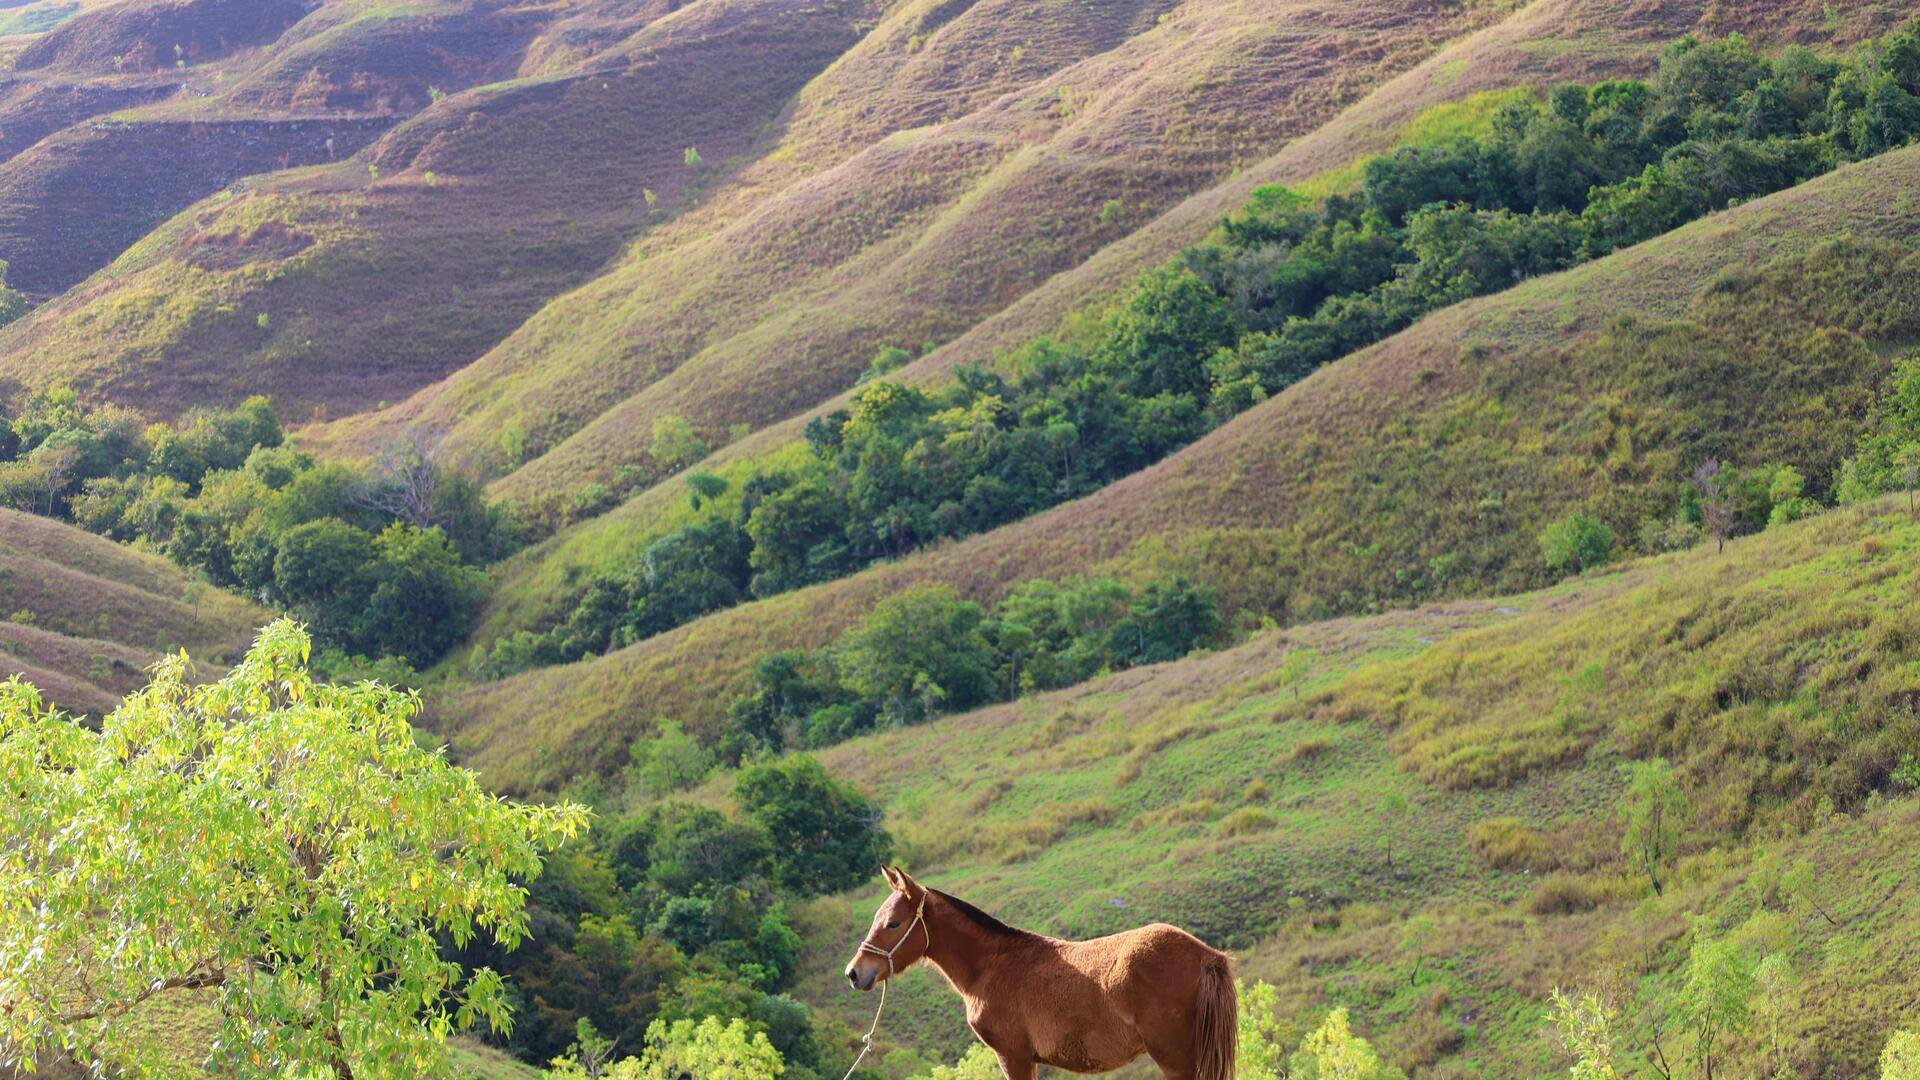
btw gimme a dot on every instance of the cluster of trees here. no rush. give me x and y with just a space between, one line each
926 651
678 912
711 1048
903 467
1280 289
1551 184
1888 457
381 561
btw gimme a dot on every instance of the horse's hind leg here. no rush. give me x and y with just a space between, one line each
1173 1066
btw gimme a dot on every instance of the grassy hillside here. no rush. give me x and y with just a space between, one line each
82 617
914 237
1424 466
1301 797
352 284
582 360
1451 92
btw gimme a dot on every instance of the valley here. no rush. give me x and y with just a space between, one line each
1416 494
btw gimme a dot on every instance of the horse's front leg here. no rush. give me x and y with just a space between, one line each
1017 1067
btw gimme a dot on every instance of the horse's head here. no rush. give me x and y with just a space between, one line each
899 936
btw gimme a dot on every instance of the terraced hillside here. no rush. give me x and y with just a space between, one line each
1309 796
1424 466
82 617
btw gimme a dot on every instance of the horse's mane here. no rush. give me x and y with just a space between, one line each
979 918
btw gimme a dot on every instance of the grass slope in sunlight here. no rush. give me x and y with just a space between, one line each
1301 797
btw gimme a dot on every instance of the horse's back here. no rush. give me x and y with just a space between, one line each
1147 958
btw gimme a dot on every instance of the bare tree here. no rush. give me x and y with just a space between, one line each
1716 506
404 478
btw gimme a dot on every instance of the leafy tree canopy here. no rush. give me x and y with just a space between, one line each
283 845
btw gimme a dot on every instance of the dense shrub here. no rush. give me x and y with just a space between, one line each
926 651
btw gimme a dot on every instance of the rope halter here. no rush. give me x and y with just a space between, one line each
919 920
867 946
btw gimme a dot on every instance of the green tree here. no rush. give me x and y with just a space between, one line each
590 1056
826 836
420 599
1170 619
1715 1001
704 487
1901 1058
1415 939
1576 543
1653 809
668 762
1333 1052
1166 332
980 1063
675 443
919 653
318 567
1265 1038
711 1050
1584 1027
690 850
286 844
1785 490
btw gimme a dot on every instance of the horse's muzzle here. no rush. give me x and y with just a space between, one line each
861 981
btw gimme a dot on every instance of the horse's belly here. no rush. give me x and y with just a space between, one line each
1101 1048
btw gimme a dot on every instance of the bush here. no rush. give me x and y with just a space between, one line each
1576 543
1565 894
825 835
1247 819
1506 844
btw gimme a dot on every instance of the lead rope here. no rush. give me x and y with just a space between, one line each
866 1041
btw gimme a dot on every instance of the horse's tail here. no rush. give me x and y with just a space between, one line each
1216 1022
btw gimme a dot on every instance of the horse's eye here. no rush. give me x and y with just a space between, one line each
894 925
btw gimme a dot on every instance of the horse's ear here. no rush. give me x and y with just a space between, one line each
893 877
908 887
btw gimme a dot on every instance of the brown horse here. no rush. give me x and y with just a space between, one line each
1082 1006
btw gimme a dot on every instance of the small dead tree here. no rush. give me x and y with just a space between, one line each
404 479
1716 504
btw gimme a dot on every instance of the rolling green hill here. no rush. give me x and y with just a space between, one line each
1424 466
1305 795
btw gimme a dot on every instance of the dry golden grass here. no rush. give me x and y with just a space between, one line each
921 233
425 250
82 617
